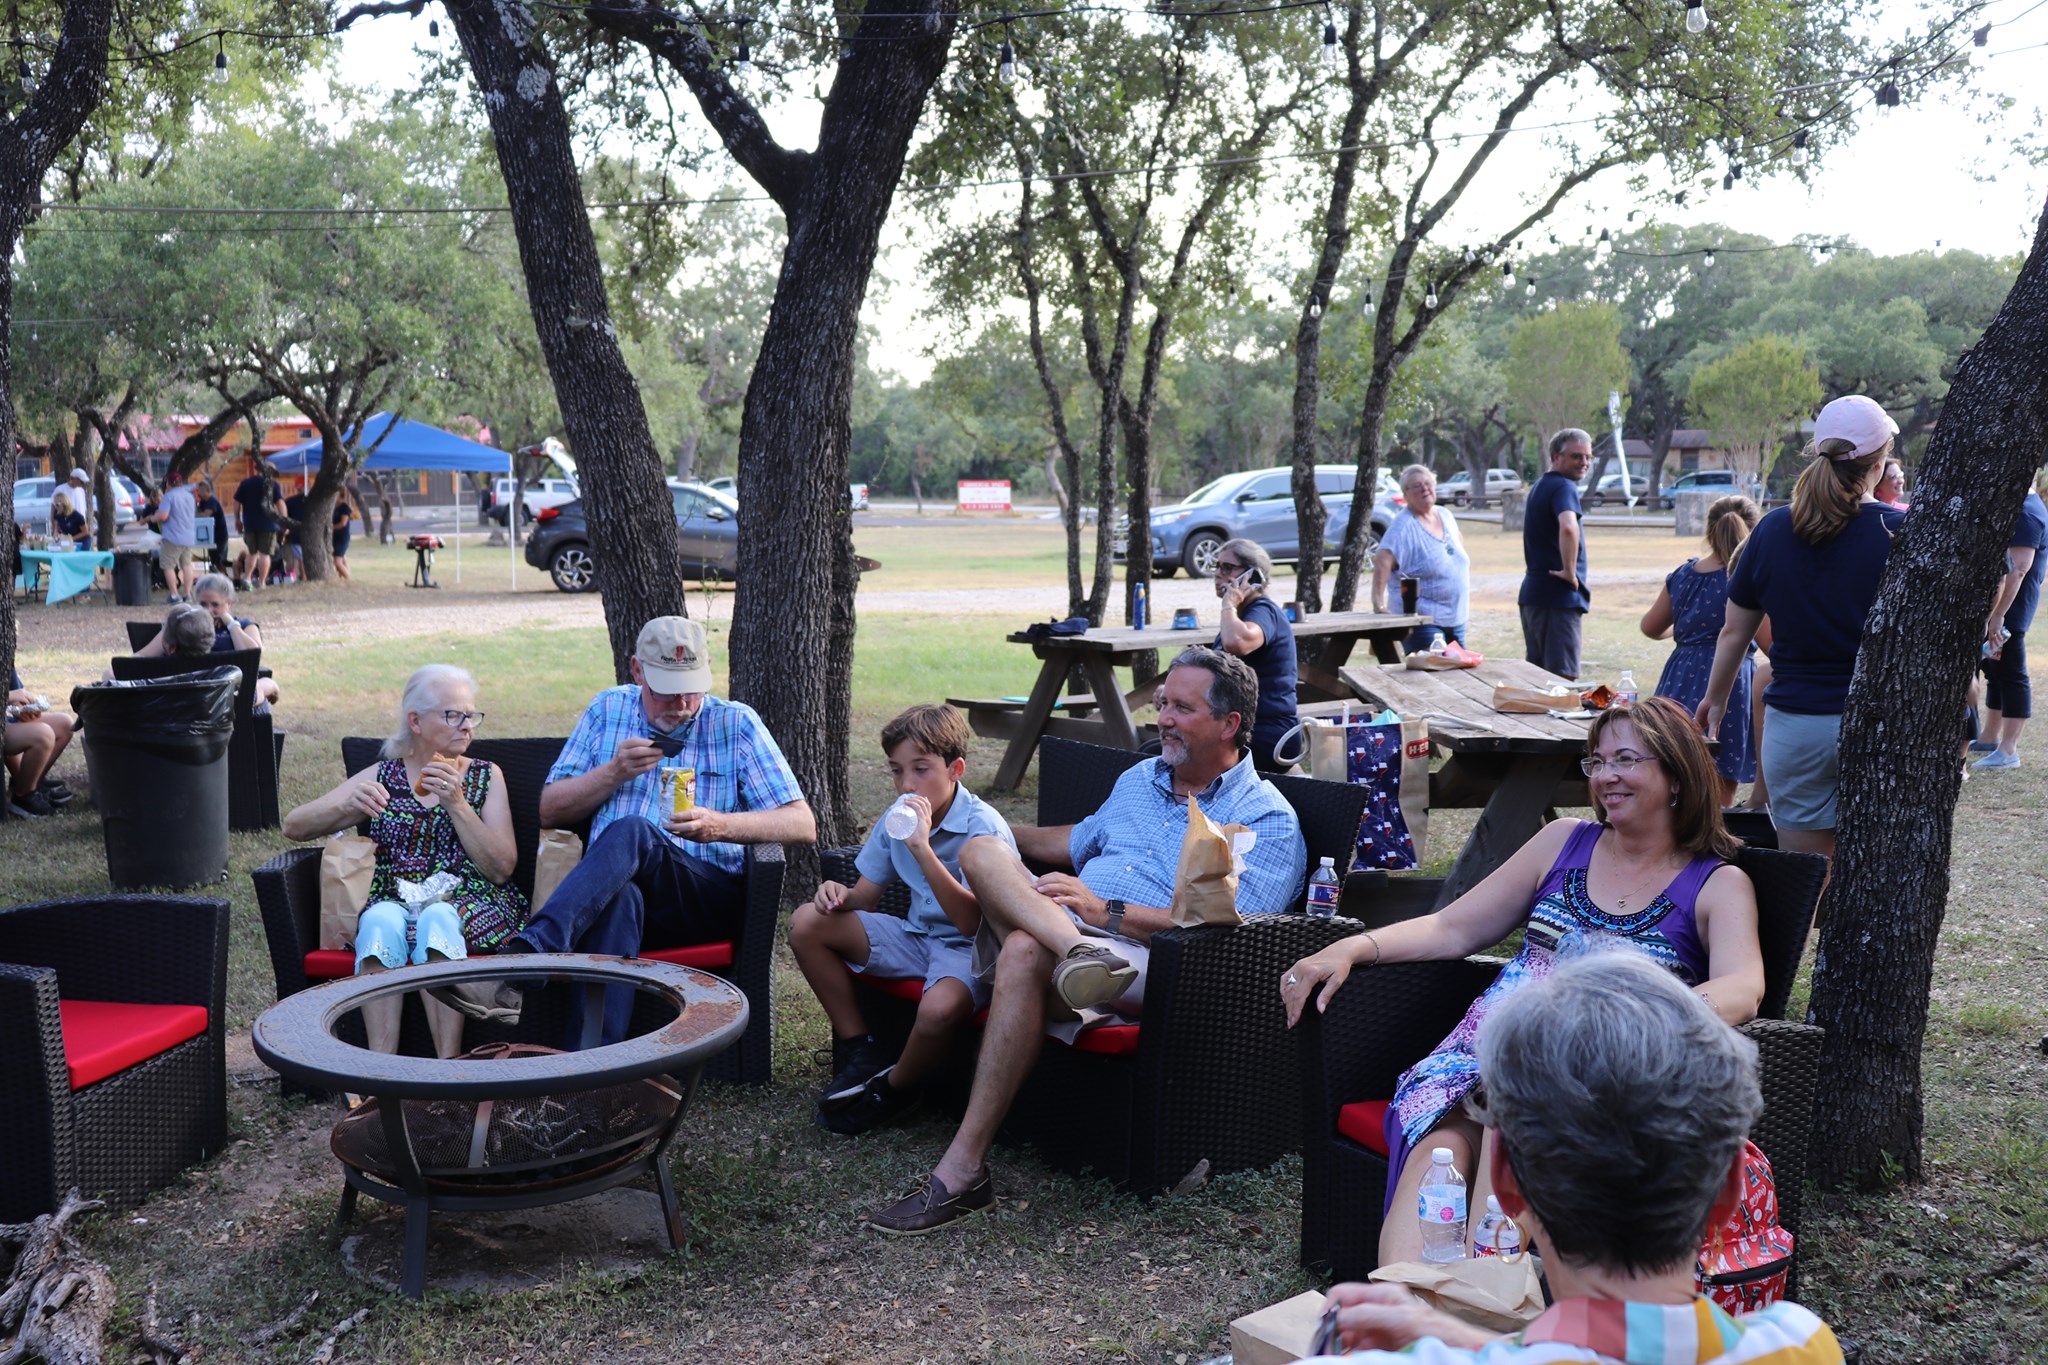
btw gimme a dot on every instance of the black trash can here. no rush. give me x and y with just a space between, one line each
131 578
157 752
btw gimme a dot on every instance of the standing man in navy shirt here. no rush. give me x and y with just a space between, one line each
1554 596
2008 692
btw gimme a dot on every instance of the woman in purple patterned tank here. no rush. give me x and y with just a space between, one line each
430 810
1652 872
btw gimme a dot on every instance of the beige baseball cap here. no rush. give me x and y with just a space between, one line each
672 655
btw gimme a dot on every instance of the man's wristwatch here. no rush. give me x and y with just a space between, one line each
1116 916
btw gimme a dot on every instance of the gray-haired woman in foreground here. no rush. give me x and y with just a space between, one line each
1618 1104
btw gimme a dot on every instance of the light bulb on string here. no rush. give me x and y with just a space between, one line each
743 61
1315 306
1799 148
1605 244
1329 43
1370 306
220 60
1708 260
1695 16
1529 290
1006 63
21 68
1507 275
1429 299
433 28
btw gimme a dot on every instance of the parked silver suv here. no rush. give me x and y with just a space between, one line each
1257 504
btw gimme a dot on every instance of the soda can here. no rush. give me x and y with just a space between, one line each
679 788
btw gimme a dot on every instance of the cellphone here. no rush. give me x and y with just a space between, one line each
669 745
1250 578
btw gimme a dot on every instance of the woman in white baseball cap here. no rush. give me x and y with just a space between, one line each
1812 569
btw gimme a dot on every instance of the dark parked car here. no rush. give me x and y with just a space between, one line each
706 520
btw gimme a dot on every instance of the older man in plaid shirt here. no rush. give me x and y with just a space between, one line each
653 876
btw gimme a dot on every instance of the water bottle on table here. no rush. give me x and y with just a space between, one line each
1497 1235
1440 1206
1626 693
1323 887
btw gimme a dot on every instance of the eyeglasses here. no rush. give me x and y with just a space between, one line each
1229 566
461 720
1621 763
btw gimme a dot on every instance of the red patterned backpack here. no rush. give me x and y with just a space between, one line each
1747 1258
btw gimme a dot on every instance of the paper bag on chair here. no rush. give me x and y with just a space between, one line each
1278 1333
1205 885
560 851
347 864
1486 1291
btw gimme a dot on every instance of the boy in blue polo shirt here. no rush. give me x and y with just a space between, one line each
839 927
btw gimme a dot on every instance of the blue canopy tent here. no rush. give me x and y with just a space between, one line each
411 445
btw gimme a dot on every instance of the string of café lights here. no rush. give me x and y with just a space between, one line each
1886 96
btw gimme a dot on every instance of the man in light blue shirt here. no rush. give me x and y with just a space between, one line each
654 875
177 522
1083 935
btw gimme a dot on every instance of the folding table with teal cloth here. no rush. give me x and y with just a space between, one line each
71 571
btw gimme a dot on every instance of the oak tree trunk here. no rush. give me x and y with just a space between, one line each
29 143
639 569
1902 734
793 609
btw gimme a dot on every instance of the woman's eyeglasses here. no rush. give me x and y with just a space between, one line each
460 720
1228 566
1621 763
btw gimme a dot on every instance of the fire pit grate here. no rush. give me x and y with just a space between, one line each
515 1144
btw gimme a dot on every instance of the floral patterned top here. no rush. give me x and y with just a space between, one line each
415 841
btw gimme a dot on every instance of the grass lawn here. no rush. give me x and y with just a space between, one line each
1065 1269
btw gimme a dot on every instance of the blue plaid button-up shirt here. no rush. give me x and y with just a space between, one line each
1130 849
739 765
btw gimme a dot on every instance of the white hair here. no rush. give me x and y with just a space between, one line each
215 582
424 691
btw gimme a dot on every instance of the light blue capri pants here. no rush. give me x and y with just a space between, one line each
380 934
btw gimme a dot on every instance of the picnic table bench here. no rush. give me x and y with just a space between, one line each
1513 768
1102 715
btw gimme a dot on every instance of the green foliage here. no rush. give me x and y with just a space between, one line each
1750 396
1561 365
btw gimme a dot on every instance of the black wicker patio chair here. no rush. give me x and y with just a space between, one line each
113 1077
288 891
1386 1019
255 748
1210 1073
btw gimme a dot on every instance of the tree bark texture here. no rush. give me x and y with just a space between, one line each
29 143
793 613
640 573
1901 733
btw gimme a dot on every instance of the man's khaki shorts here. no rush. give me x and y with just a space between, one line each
174 558
260 542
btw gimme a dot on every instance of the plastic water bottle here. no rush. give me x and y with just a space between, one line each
1322 891
901 821
1626 693
1440 1206
1498 1235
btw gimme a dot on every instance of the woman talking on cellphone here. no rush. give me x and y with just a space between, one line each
1256 630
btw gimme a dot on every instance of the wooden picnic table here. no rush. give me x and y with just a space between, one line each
1102 715
1513 768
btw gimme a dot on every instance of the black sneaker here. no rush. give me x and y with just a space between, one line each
873 1105
855 1062
59 794
31 806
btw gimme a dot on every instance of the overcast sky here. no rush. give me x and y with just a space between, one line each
1917 178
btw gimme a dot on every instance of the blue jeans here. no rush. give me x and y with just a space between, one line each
1428 637
634 888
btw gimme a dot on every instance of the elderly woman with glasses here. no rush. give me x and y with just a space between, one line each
1423 543
1257 631
429 810
1616 1111
1652 872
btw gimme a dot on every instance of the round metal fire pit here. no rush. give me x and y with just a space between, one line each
511 1125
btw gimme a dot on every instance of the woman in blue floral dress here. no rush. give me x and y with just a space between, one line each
1651 873
430 811
1691 609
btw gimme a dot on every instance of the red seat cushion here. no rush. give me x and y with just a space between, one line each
102 1037
330 964
902 987
1108 1040
1365 1123
709 956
